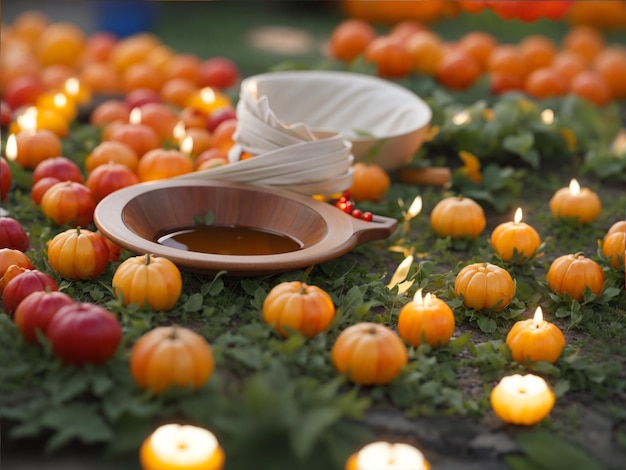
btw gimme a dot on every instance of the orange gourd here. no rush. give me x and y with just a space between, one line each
572 273
298 306
171 356
78 254
484 285
458 217
426 319
614 244
369 353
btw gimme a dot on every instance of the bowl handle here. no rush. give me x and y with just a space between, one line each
379 228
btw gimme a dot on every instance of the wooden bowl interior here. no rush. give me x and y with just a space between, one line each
166 209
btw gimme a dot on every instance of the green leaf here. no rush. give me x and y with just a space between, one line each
79 421
310 427
550 451
457 344
519 144
194 303
487 325
521 462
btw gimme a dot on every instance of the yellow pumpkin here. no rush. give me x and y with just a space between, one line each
484 285
522 399
426 318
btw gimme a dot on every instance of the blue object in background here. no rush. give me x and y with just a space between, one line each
126 17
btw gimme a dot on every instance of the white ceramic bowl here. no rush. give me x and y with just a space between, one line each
365 109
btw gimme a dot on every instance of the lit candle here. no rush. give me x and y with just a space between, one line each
515 239
58 102
522 399
535 339
208 100
77 92
575 202
426 319
181 447
29 148
387 456
186 146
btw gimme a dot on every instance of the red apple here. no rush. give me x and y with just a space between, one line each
61 168
21 286
5 178
218 116
141 96
13 235
36 310
218 72
84 333
6 114
22 91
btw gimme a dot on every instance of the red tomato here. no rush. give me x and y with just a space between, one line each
84 333
22 91
218 72
61 168
36 310
13 235
5 178
18 288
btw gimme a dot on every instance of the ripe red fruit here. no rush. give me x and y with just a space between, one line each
21 286
13 235
84 333
6 114
36 310
140 96
218 72
61 168
5 179
22 91
218 116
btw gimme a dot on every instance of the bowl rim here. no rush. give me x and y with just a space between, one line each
343 233
425 110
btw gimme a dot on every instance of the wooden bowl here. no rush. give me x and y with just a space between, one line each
135 217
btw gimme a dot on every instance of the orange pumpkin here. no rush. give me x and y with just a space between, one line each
427 319
171 356
484 285
298 306
535 340
369 353
69 202
35 147
11 256
369 182
458 217
614 244
575 202
573 273
515 238
78 254
148 280
161 164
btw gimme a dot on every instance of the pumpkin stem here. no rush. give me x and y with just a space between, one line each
148 259
78 230
174 332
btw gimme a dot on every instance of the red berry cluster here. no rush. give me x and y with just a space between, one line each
347 205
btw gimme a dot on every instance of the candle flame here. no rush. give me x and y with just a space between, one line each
27 121
415 208
547 116
59 100
187 145
423 300
517 218
11 148
72 86
574 187
135 116
179 131
207 95
538 318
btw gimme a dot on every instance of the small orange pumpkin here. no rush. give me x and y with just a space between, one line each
69 202
535 340
148 279
298 306
35 147
575 202
369 182
161 164
572 273
369 353
78 254
171 355
514 237
484 285
614 244
457 217
426 318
